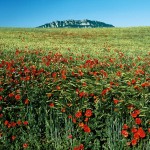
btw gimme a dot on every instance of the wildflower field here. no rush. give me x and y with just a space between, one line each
75 89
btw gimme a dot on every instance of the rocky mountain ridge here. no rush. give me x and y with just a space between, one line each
76 24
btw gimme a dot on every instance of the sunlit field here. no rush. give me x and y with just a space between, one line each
75 89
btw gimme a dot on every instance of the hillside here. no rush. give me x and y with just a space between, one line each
76 24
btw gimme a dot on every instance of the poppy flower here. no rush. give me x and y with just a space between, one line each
6 122
141 132
133 81
88 113
81 94
125 127
86 119
19 122
25 122
54 74
145 84
13 124
17 97
136 135
86 128
26 101
81 125
74 120
11 94
25 145
1 115
1 98
105 91
70 117
70 136
118 73
13 138
51 105
116 101
134 142
78 114
125 133
80 147
133 130
138 121
135 113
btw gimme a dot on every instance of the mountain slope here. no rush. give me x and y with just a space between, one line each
75 24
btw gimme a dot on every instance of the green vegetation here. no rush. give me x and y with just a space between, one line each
75 89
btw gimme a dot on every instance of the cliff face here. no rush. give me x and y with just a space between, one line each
75 24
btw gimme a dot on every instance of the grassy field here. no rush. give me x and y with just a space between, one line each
75 89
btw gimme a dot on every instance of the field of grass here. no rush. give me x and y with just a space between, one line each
75 89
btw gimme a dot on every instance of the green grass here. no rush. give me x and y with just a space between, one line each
50 78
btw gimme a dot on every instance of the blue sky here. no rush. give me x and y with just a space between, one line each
32 13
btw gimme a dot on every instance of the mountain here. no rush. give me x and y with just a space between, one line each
75 24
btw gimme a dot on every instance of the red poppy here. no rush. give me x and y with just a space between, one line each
1 89
145 84
51 104
118 73
125 133
135 113
26 101
25 122
58 87
141 132
133 142
17 97
11 94
19 122
74 120
130 106
78 114
125 127
86 129
105 91
84 84
70 136
80 147
54 74
136 135
88 113
86 119
13 124
6 122
81 94
70 117
9 125
80 73
138 121
133 130
25 145
63 110
133 81
1 115
81 125
13 138
116 101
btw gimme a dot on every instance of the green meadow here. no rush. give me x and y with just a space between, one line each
75 89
